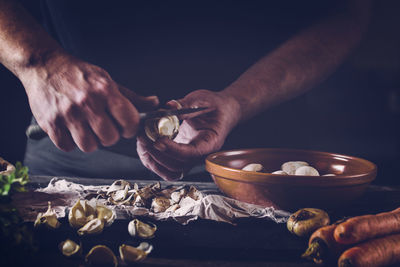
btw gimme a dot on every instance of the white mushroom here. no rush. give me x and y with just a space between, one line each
307 170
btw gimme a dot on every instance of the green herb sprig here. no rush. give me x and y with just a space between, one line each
15 181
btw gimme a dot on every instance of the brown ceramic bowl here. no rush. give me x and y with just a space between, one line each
290 191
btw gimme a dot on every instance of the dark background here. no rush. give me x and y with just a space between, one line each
356 111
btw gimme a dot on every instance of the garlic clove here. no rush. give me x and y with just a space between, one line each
76 215
94 226
159 127
69 248
106 214
253 167
146 247
137 228
280 172
101 255
306 170
290 167
48 218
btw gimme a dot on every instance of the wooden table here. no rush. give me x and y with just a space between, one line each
251 242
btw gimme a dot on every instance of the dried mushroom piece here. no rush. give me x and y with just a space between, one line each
137 228
48 218
159 127
6 167
130 254
69 248
101 255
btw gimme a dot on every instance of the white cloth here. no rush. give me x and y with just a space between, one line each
63 194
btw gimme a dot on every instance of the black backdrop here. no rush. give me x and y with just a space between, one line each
356 111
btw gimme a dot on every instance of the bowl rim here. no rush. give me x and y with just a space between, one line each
223 172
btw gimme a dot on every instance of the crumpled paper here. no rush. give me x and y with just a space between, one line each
212 206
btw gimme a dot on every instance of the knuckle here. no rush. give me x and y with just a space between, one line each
84 100
71 110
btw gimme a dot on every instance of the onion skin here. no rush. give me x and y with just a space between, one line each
305 221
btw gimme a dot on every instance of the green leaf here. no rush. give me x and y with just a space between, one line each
6 188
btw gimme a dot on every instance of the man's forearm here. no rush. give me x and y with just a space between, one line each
23 42
300 63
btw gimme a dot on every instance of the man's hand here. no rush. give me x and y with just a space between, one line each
197 137
77 103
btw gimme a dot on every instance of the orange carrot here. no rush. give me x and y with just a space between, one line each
361 228
322 246
376 252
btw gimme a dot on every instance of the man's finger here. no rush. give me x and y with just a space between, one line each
152 165
124 113
142 103
61 138
82 136
202 145
103 127
161 158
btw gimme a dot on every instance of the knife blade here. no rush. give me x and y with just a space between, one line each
36 133
169 112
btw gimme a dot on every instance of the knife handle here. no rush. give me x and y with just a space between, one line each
34 132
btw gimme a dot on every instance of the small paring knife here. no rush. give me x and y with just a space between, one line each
34 132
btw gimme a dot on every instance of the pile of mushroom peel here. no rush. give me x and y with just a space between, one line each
90 217
288 168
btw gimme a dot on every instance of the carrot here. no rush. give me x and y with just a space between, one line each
322 246
376 252
361 228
